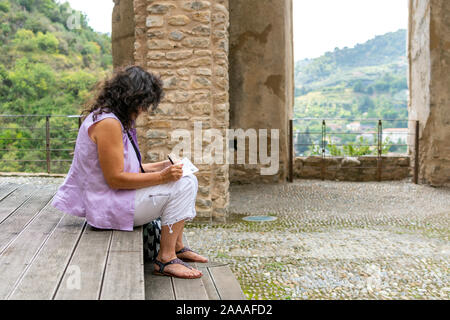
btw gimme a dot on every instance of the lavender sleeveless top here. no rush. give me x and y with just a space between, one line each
85 192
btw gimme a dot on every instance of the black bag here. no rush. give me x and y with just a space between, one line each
151 231
152 239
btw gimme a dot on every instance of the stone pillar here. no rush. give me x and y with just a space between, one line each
123 33
429 80
261 76
186 42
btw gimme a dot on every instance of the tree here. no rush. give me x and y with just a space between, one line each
47 42
303 142
5 6
358 87
365 104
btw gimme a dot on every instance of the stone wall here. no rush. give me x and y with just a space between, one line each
186 42
429 80
352 168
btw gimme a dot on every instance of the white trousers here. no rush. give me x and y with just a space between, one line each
173 202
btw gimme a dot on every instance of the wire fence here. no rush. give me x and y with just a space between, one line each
46 143
340 138
37 143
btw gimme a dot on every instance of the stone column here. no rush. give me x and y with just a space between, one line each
123 33
429 80
186 42
261 76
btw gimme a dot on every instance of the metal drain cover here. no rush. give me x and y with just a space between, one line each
259 218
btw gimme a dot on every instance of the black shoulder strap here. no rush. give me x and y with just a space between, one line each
136 150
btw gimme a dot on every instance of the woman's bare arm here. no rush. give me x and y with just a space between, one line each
155 167
107 134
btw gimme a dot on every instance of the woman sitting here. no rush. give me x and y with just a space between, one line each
109 186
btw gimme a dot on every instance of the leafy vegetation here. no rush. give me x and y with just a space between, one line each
46 68
365 82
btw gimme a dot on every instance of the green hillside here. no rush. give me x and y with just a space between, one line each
365 82
46 68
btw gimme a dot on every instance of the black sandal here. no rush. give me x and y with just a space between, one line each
185 249
161 266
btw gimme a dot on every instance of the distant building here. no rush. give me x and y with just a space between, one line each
369 136
354 126
334 126
367 126
396 134
393 134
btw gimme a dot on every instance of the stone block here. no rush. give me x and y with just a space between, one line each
156 55
176 35
160 8
201 82
350 162
202 53
184 72
156 134
196 5
155 34
201 16
203 72
203 203
161 44
154 21
196 42
178 20
199 62
179 97
155 123
200 30
153 156
164 109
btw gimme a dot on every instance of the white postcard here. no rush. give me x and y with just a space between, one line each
188 167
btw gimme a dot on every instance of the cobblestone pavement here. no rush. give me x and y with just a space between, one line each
331 240
335 240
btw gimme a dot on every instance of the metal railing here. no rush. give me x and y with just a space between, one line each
37 143
362 137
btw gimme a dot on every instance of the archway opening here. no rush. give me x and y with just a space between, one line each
351 70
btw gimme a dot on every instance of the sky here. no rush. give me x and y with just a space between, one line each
99 12
319 25
322 25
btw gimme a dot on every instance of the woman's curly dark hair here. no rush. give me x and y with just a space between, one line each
130 90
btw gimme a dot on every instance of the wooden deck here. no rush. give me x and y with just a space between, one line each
45 254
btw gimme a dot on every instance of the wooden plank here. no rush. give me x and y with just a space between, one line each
43 276
157 287
211 264
167 288
226 283
15 259
14 200
124 277
189 289
84 275
6 189
208 283
124 274
19 219
128 241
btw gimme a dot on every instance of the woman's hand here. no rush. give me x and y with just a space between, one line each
166 164
172 173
